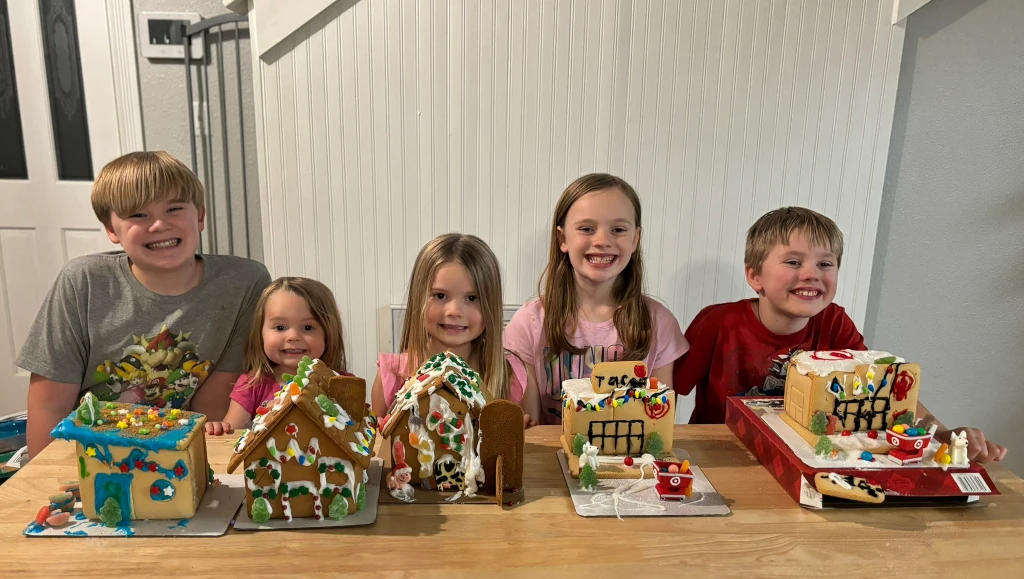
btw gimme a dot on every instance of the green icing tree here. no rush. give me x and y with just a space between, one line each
110 513
588 478
655 445
819 423
339 508
824 446
260 511
577 444
907 418
361 498
88 411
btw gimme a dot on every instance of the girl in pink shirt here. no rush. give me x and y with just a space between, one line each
454 304
591 307
295 317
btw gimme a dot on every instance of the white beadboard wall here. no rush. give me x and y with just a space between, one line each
385 123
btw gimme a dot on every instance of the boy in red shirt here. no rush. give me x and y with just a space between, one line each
792 261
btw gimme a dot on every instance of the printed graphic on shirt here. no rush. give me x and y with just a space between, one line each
163 371
775 379
569 366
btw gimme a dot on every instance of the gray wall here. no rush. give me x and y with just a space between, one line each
947 288
165 124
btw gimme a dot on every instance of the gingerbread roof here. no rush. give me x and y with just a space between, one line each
122 424
337 404
442 371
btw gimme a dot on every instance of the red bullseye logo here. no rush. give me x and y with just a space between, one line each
655 411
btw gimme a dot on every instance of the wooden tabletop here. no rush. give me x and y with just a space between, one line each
766 535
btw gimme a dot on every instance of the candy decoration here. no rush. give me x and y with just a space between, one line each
873 434
866 456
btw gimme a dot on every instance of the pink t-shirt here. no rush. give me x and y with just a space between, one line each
524 335
252 398
393 375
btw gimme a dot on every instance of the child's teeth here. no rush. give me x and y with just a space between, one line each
600 260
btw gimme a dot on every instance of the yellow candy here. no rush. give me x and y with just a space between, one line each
899 429
331 419
946 459
291 452
870 375
122 425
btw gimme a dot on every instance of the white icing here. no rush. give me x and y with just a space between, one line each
471 467
330 461
575 390
838 479
425 448
452 367
622 494
825 362
293 450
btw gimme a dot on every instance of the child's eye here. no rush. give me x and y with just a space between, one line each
619 230
471 298
278 328
136 216
586 229
175 208
309 327
825 264
793 262
439 296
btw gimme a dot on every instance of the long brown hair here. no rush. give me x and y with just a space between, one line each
321 304
557 286
474 254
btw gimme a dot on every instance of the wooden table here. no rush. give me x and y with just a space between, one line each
766 535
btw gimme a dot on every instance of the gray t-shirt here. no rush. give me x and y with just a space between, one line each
101 328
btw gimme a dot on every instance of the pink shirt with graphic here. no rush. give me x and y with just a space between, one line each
393 374
525 336
253 397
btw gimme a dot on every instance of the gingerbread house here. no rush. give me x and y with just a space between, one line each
850 390
308 450
620 410
454 436
137 462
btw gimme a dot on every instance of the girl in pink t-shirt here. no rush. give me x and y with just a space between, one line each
295 317
454 304
591 307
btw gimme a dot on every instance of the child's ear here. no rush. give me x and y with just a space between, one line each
202 219
636 238
111 234
753 280
561 240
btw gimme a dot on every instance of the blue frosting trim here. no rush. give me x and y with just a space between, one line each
165 440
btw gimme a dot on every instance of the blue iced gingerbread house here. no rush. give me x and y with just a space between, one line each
137 462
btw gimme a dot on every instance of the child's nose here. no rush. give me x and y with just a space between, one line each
810 271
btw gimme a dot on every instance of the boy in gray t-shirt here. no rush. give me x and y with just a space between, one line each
154 324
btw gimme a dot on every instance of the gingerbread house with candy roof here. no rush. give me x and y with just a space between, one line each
308 450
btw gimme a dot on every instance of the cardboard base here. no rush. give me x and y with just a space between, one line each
756 421
364 517
212 518
637 498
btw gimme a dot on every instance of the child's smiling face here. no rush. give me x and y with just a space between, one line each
796 281
599 235
162 236
453 314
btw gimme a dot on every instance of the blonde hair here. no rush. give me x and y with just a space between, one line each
557 286
775 228
321 304
474 254
132 181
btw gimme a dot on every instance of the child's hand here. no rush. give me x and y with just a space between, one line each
979 448
219 428
528 422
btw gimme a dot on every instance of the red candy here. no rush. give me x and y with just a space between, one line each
42 515
846 433
628 461
872 434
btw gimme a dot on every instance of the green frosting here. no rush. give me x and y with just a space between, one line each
886 360
907 418
824 446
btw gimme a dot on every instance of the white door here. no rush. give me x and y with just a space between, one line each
56 78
